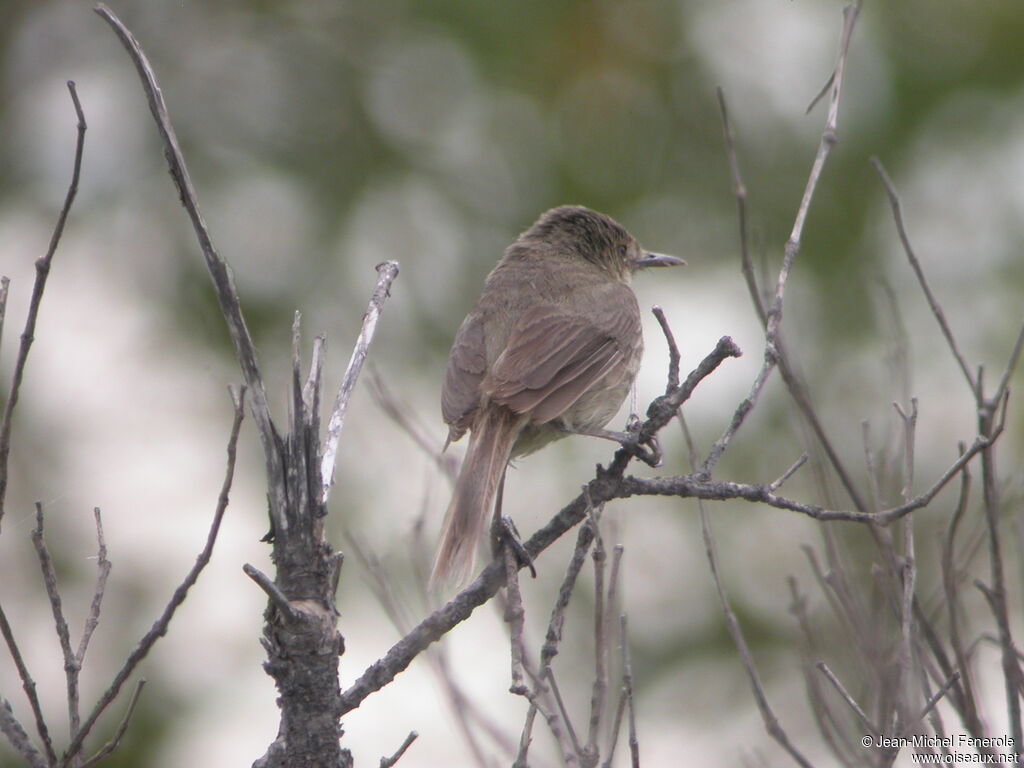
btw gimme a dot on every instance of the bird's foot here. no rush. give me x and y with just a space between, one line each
505 534
645 448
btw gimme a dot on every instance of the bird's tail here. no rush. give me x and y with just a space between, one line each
490 444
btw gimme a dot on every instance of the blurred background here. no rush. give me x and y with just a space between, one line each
324 138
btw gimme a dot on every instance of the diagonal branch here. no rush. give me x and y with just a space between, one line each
220 272
159 628
915 264
42 272
606 485
775 350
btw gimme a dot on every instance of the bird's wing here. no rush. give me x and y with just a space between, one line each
553 356
467 363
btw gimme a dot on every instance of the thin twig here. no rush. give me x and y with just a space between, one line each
5 286
673 350
739 191
115 742
824 717
965 685
771 722
103 567
840 688
462 707
627 685
776 484
386 273
29 686
400 414
159 628
572 757
514 616
771 319
940 317
71 666
42 272
687 486
273 592
387 762
19 740
907 572
220 273
937 697
600 686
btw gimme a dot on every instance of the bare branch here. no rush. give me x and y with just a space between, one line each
627 685
874 729
5 285
71 666
771 722
907 572
776 484
387 762
739 191
688 486
387 272
42 272
29 686
159 628
673 350
401 415
220 272
571 758
775 351
277 597
937 697
608 484
940 317
514 615
19 740
1011 366
103 567
115 742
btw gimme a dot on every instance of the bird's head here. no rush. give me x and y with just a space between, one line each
596 238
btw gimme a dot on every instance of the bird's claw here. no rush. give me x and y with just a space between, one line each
645 448
505 534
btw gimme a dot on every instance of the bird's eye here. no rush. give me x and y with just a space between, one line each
622 251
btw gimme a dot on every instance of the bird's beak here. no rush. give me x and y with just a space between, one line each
658 260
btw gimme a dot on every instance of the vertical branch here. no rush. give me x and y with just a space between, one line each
997 590
732 623
987 408
387 272
775 351
103 567
42 272
908 576
71 666
600 687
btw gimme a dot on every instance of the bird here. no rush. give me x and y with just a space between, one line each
550 348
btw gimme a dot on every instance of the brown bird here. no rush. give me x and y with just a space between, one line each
550 348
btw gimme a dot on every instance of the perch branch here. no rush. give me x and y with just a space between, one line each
602 488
